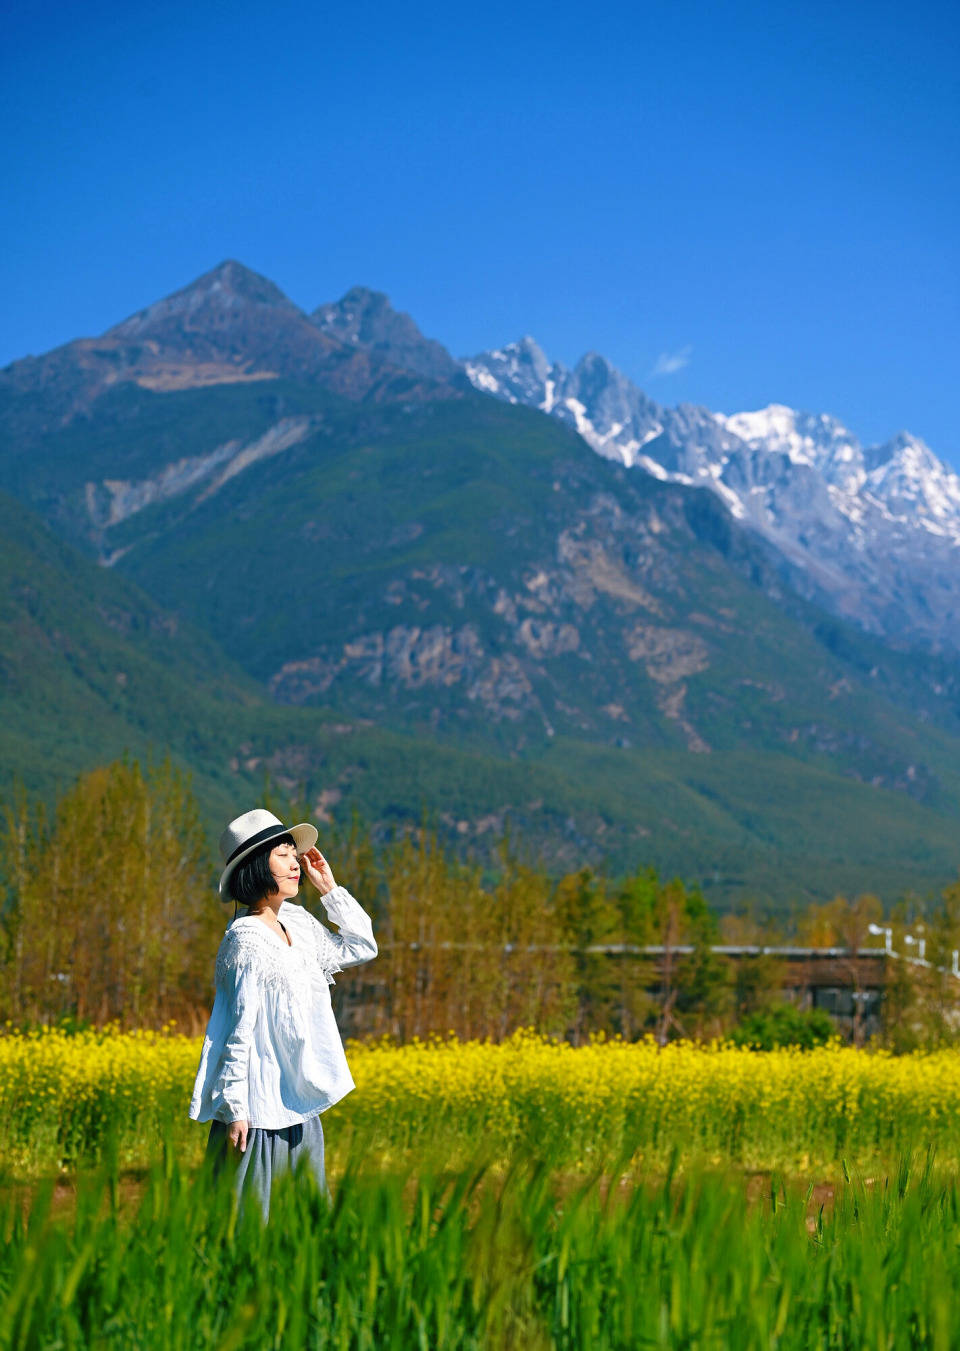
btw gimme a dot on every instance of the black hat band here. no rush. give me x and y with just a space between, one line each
259 838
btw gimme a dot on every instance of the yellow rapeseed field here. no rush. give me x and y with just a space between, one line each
64 1097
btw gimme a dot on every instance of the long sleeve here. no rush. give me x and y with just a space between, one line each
354 943
238 986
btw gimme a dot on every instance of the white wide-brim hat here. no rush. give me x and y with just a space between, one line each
245 833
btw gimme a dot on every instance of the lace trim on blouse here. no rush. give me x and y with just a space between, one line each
291 970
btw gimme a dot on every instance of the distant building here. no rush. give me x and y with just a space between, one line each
835 980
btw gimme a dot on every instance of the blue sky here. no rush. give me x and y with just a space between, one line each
736 203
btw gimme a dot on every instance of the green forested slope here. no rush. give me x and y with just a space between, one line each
704 720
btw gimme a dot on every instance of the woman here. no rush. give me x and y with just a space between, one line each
272 1058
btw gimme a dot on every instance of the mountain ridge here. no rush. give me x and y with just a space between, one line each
872 532
228 326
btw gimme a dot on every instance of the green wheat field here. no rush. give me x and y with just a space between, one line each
520 1195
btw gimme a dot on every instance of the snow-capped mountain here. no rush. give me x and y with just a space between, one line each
873 530
608 411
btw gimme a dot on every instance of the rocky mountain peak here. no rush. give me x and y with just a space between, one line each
526 353
219 299
365 319
597 378
596 371
905 448
914 486
528 349
610 413
519 372
233 325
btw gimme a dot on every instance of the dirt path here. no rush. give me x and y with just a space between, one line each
131 1184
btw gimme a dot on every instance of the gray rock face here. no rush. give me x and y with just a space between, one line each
112 501
366 319
873 532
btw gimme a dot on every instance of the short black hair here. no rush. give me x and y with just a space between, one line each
251 880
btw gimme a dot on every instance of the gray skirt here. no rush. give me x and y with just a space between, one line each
268 1154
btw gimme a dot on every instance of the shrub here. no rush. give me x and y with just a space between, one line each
784 1025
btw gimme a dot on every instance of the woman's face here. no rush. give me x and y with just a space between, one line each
285 867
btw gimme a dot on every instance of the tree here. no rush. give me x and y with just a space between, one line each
541 990
758 983
703 978
703 990
636 902
851 921
587 918
107 913
936 990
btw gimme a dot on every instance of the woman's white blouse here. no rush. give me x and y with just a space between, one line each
272 1053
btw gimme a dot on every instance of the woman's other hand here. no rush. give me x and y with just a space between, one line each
237 1134
318 870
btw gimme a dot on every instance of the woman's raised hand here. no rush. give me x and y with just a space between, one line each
318 870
